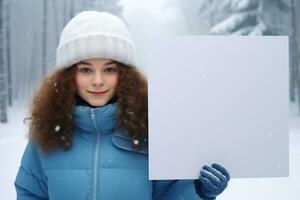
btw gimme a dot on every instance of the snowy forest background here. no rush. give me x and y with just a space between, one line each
29 34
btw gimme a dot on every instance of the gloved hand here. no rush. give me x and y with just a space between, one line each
212 181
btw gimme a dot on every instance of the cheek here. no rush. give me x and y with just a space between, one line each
114 82
80 82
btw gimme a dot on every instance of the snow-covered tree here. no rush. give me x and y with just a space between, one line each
44 37
295 52
254 17
241 20
3 74
6 43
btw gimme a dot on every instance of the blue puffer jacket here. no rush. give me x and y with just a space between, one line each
100 165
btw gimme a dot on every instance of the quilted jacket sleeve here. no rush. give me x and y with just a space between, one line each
31 181
174 190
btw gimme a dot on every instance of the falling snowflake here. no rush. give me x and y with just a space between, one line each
55 84
136 142
57 128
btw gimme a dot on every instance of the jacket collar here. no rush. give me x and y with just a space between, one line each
88 120
91 119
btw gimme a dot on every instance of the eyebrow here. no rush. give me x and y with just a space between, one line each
87 63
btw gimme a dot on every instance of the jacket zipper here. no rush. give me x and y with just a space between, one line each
96 155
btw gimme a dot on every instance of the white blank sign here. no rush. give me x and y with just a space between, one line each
218 99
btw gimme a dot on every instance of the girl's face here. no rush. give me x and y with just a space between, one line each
96 80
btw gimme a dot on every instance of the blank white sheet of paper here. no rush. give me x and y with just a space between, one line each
220 99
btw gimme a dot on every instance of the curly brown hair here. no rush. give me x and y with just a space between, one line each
51 122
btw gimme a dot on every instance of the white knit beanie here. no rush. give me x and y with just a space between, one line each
93 34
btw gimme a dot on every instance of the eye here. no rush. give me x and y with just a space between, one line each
85 70
110 69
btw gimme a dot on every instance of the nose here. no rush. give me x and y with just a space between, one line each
98 79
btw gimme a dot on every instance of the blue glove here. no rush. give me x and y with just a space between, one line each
212 181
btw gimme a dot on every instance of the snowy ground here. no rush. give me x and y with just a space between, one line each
13 141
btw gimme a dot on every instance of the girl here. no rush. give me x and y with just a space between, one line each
89 125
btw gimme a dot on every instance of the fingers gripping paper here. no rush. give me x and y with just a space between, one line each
218 99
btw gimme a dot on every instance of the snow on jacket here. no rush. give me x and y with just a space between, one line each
101 165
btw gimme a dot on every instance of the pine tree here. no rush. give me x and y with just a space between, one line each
3 75
243 18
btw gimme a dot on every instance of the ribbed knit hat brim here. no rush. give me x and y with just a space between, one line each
102 36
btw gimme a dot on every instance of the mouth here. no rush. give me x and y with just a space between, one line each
97 93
